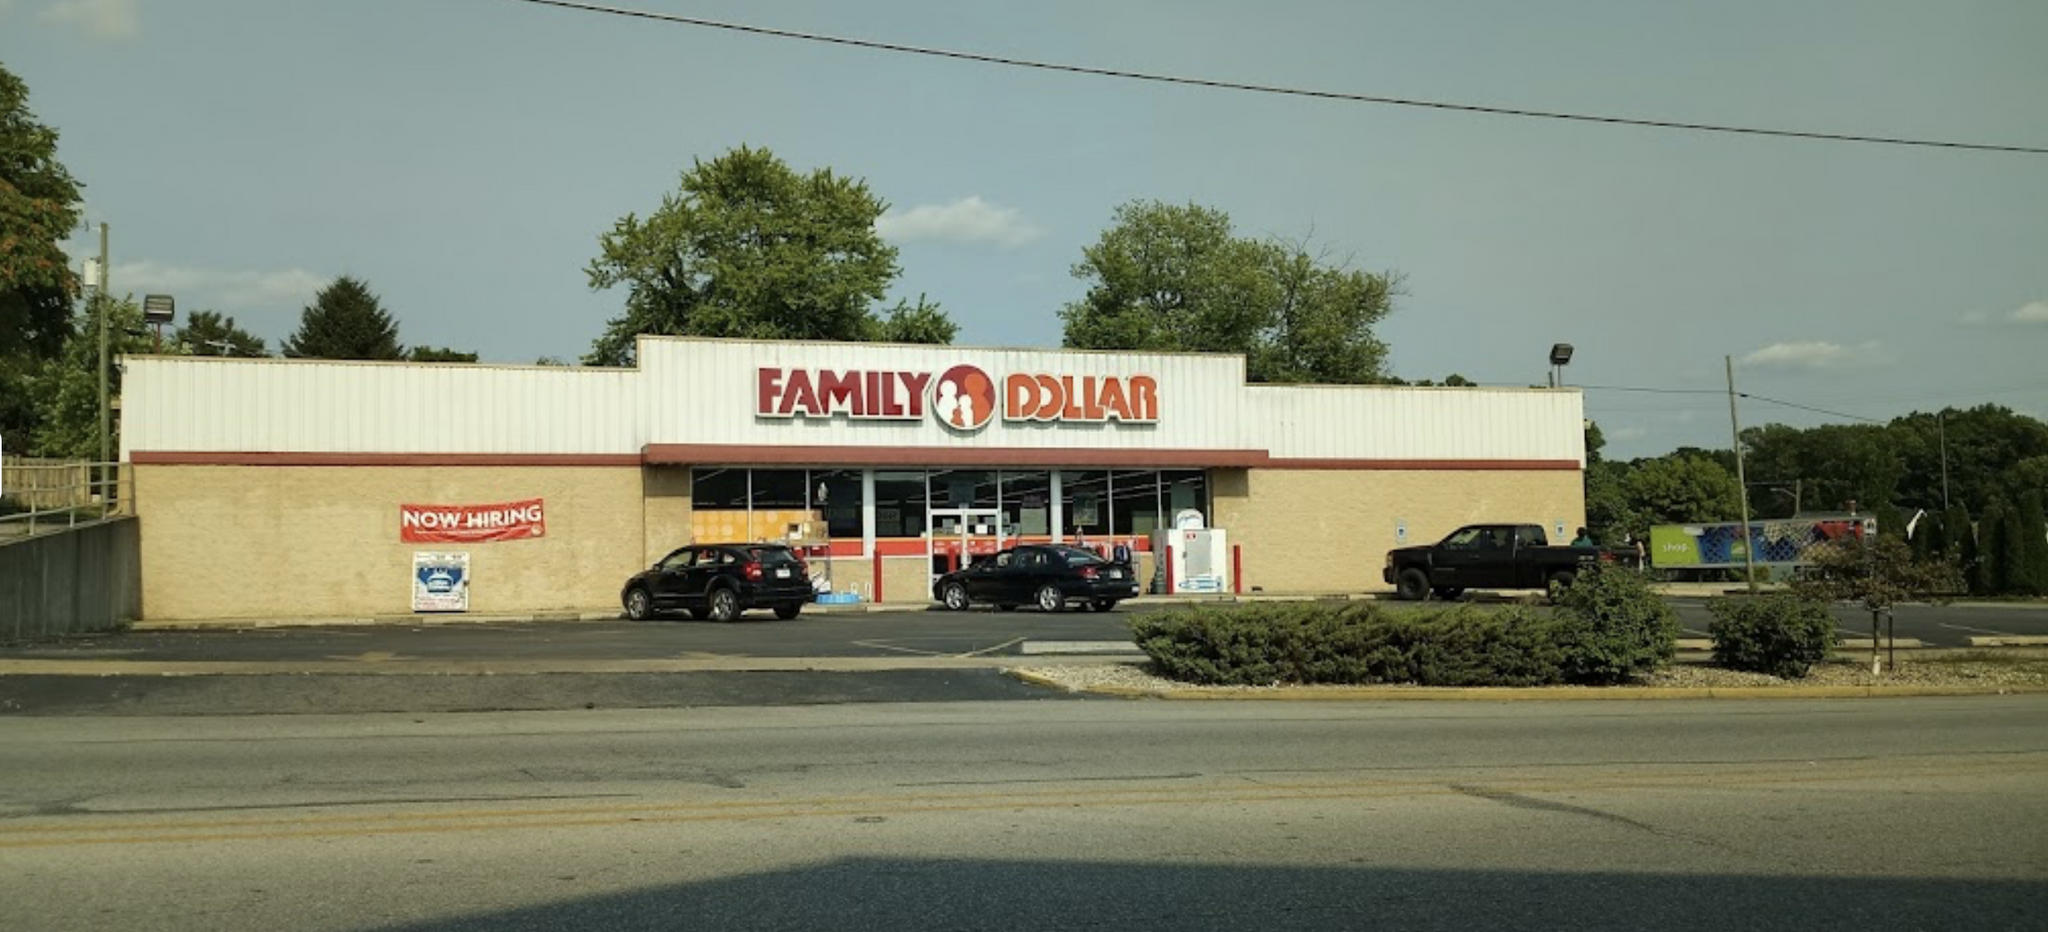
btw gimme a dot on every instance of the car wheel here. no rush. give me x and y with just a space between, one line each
1050 600
725 605
639 605
1412 585
1103 605
955 597
1559 582
786 612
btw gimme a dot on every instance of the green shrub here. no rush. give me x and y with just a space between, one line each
1612 627
1778 634
1356 643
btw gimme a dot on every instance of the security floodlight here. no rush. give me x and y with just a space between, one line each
158 309
1560 354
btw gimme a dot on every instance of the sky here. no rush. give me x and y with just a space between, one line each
463 156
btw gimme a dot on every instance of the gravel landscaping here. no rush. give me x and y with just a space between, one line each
2005 668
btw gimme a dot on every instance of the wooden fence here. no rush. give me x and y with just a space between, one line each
46 484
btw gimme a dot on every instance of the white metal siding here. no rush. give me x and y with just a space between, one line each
703 392
1383 423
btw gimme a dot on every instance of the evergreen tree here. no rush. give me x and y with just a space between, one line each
1995 545
345 321
1970 557
207 333
2029 574
1931 539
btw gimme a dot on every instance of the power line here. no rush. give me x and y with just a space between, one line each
1794 404
1275 89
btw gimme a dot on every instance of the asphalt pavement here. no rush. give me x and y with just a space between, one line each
1908 814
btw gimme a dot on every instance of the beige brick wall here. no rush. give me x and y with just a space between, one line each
665 510
251 542
1329 531
906 580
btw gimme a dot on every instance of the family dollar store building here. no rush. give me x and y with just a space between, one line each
317 488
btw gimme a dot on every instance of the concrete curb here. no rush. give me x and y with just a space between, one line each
2012 640
1511 694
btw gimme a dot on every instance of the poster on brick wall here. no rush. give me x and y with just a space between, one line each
440 582
429 524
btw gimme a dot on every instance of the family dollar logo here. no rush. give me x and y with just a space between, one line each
964 398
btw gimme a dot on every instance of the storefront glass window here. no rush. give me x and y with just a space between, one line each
1027 502
899 503
963 488
1085 498
841 502
1184 489
1134 502
779 490
718 490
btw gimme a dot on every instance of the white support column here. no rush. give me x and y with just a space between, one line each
1059 509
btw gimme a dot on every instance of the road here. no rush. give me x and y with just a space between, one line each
1899 814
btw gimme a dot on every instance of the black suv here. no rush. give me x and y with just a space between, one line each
719 581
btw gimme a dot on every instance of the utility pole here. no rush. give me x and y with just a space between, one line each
1941 428
106 421
1741 483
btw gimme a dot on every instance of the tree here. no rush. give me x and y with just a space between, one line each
2029 572
1678 488
749 248
207 333
1875 573
67 388
1996 544
922 322
439 354
1174 278
345 321
39 203
1985 448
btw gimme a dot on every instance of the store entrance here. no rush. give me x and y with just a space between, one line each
959 536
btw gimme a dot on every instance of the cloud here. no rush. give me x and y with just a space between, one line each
1626 433
2033 312
104 19
228 292
1815 356
969 220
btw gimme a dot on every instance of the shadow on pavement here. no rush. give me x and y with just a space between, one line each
893 894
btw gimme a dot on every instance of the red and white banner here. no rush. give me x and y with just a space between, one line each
468 523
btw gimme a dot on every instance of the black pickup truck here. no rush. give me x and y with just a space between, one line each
1488 556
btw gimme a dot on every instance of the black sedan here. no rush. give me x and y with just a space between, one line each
1046 575
719 581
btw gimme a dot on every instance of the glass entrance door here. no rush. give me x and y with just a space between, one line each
959 536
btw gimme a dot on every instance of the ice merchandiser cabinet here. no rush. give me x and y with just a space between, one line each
1192 558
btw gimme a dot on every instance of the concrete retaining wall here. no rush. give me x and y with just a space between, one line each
71 582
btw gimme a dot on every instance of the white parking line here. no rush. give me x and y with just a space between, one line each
907 650
988 650
1978 630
